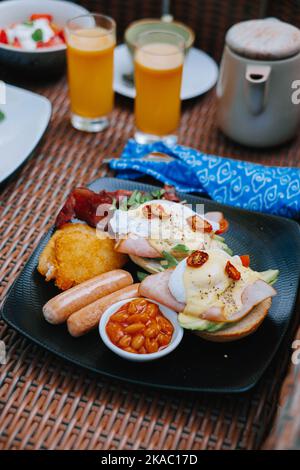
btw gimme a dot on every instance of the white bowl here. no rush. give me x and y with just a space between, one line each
50 59
168 313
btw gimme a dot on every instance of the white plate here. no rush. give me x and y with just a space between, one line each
26 118
200 73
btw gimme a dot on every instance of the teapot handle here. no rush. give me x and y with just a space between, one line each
257 77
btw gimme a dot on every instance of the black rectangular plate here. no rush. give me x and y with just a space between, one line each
196 365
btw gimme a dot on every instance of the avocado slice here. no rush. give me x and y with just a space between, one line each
270 276
192 323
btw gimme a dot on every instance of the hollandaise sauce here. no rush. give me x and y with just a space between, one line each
217 281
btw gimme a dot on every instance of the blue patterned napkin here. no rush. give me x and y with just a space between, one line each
275 190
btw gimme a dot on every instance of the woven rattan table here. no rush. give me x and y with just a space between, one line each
46 403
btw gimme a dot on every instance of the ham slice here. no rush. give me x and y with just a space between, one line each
137 246
252 295
215 314
156 287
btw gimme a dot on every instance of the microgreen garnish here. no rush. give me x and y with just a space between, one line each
28 23
158 193
141 275
180 249
169 260
134 198
137 198
2 116
37 35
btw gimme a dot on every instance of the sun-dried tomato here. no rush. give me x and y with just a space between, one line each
151 211
147 211
199 225
232 272
245 259
197 259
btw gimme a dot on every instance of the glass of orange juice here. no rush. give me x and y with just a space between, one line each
90 50
158 65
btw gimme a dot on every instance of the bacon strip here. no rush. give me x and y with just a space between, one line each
84 204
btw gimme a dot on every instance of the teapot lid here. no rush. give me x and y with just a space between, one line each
267 39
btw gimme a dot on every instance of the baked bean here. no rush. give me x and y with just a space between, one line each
137 305
164 324
125 341
139 327
151 332
137 342
120 317
151 345
152 310
134 328
137 318
115 332
163 340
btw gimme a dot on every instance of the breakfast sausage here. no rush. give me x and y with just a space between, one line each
59 308
88 317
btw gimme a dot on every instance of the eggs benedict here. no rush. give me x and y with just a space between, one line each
215 294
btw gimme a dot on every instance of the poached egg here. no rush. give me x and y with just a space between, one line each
166 226
209 285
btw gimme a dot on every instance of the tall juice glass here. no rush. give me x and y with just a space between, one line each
158 65
90 49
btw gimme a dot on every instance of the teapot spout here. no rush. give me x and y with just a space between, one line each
257 77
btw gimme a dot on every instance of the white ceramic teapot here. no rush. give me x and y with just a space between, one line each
261 60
